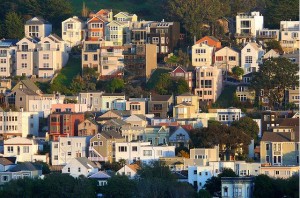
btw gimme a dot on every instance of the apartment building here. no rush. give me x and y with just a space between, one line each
64 124
209 83
289 35
226 58
7 57
202 55
73 31
67 148
267 35
114 31
37 27
251 57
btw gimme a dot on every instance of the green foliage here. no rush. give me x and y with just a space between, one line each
237 71
168 85
225 100
13 26
273 44
115 85
274 77
151 83
248 126
119 186
203 194
155 169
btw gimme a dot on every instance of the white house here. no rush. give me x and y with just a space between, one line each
101 177
251 57
202 55
272 53
227 116
237 187
226 58
80 166
68 148
107 100
24 149
91 99
179 137
14 123
289 37
143 151
72 31
37 27
129 170
7 57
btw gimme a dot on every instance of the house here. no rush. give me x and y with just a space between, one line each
18 123
7 163
156 135
113 114
96 28
265 35
73 31
187 106
5 85
91 99
251 57
114 32
181 72
24 149
294 96
90 55
8 49
160 105
272 53
114 124
68 107
227 116
138 31
88 127
281 146
247 25
27 57
289 35
137 105
140 60
179 137
279 171
129 170
137 120
37 27
209 84
20 171
108 100
244 189
52 56
142 151
226 58
125 16
202 55
101 178
243 91
165 35
175 164
80 166
64 124
103 146
210 41
66 148
103 13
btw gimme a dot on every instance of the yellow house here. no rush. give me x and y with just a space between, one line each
187 106
114 32
279 171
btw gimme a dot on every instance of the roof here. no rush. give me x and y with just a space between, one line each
18 140
26 166
92 121
115 122
134 167
254 45
181 174
288 121
124 113
56 37
187 94
113 94
86 162
8 42
29 84
4 161
111 134
36 21
279 137
100 175
210 37
160 97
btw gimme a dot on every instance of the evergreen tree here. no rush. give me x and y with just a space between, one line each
13 26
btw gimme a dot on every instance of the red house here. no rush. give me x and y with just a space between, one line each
180 72
64 124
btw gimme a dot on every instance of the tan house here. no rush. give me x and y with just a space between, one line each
226 58
294 96
102 146
137 120
137 105
89 127
209 83
187 106
279 171
160 105
113 114
37 27
202 55
280 147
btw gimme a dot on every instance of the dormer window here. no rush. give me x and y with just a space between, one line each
248 50
70 26
24 46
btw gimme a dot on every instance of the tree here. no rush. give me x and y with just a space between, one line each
115 85
237 71
203 194
274 77
273 44
163 84
13 24
119 186
263 187
248 125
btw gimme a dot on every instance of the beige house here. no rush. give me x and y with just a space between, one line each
37 27
137 120
7 57
89 127
187 106
73 31
160 105
279 171
289 35
226 58
294 96
209 83
202 55
91 55
272 53
102 146
245 93
136 105
280 147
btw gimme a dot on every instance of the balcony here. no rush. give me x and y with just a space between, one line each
3 55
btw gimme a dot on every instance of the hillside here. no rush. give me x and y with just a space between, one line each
145 9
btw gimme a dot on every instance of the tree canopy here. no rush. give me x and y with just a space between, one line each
248 126
168 85
13 26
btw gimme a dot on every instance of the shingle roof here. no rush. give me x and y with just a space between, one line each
100 175
124 113
86 162
134 167
4 161
279 137
111 134
115 122
26 166
39 21
288 121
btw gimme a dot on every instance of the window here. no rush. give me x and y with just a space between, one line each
95 57
147 153
122 148
25 149
85 57
231 58
79 169
5 178
55 145
69 169
45 56
200 51
107 104
267 147
105 67
70 26
69 142
237 192
24 65
46 65
297 160
277 172
200 173
24 56
275 160
134 148
95 143
55 157
219 58
155 40
10 149
96 25
248 59
69 153
225 191
248 50
195 172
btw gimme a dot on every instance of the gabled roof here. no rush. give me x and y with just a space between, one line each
115 22
92 121
26 166
254 45
179 68
36 21
98 17
280 137
18 140
208 37
122 113
288 121
100 175
135 117
86 162
55 37
111 134
29 84
116 122
134 167
75 18
5 162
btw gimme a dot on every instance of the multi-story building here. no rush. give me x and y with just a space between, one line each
227 116
103 146
137 32
108 100
244 188
96 28
89 127
181 72
73 31
267 35
210 41
91 55
165 35
160 105
226 58
7 57
142 151
103 13
179 137
64 124
26 57
24 149
37 27
280 147
294 96
209 83
243 90
251 57
70 107
91 99
247 25
279 171
202 55
289 37
187 106
125 17
18 123
140 60
137 105
114 32
67 148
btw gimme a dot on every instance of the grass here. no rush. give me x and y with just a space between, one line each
154 77
144 9
226 99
